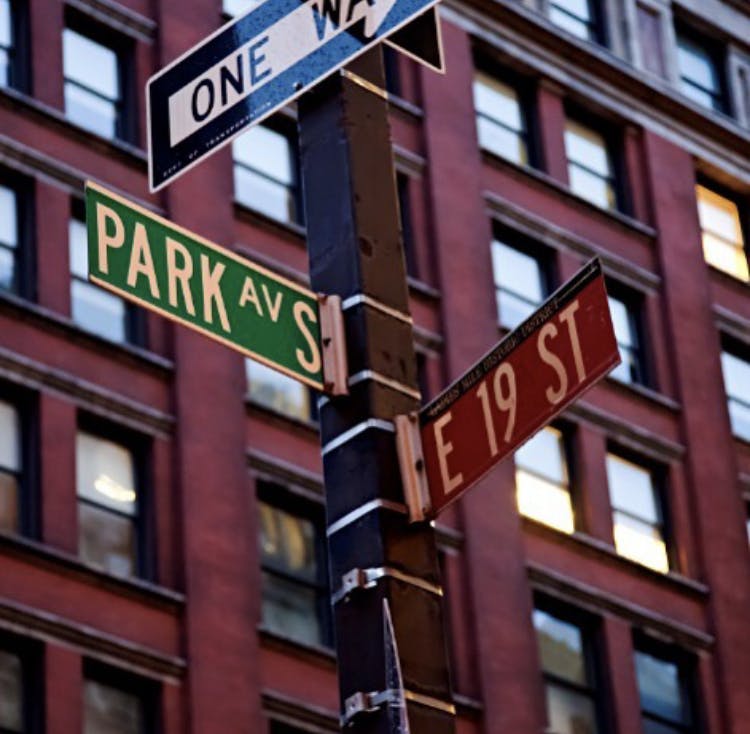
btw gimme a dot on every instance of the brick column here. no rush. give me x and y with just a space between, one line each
551 121
618 661
47 22
63 684
593 502
52 259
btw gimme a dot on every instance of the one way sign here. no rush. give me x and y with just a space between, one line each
252 67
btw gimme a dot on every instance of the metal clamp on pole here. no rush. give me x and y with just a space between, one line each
333 341
363 703
411 463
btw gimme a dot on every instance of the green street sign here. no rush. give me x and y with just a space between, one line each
178 274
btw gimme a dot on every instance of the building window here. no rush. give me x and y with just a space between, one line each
109 504
578 17
567 656
521 283
20 685
699 66
11 469
637 513
295 597
266 174
9 67
8 239
501 120
94 85
665 682
16 270
626 320
115 701
721 231
93 308
591 172
543 480
279 392
238 7
736 371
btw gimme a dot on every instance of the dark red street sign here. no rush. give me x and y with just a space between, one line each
518 387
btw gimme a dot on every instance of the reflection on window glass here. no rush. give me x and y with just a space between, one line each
7 51
700 78
501 124
239 7
574 16
92 84
10 468
277 391
109 710
107 504
519 282
542 485
93 308
295 591
736 373
590 170
625 324
723 240
265 173
665 705
569 687
637 514
11 688
8 239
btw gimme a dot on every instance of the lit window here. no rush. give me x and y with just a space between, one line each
10 469
736 373
277 391
116 702
93 87
19 685
501 124
265 173
590 170
637 514
575 16
295 599
569 678
93 308
542 483
723 240
700 77
107 504
520 283
8 239
625 321
7 44
239 7
664 683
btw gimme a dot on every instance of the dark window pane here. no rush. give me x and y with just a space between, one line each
11 692
560 647
699 76
655 727
106 540
9 516
659 687
570 712
108 710
291 609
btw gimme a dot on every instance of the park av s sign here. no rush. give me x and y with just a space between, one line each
253 66
156 264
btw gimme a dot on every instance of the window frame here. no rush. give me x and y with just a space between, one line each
717 54
686 665
18 52
280 496
147 691
123 46
25 252
740 350
31 654
285 126
525 88
598 690
139 447
634 302
597 25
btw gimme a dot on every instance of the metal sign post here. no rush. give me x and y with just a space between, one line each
375 554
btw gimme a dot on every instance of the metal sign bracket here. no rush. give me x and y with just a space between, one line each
333 342
411 463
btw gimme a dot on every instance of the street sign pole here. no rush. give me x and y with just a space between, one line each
375 555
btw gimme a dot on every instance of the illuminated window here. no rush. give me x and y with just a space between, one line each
591 172
665 684
570 681
542 481
699 66
10 468
266 175
501 122
723 240
108 504
637 514
20 685
94 94
736 373
578 17
295 598
93 308
625 319
274 390
520 283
